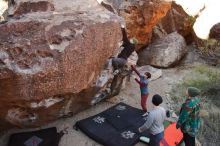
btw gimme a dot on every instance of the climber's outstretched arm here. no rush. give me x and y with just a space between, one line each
139 82
135 70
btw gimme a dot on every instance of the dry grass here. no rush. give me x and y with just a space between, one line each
208 80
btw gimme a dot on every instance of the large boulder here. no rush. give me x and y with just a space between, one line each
164 52
50 60
215 32
176 19
140 16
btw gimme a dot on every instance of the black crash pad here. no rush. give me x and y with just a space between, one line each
116 126
44 137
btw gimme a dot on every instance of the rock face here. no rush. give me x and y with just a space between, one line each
20 7
164 52
140 16
215 32
50 59
176 19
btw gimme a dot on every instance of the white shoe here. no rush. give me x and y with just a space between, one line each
145 114
144 139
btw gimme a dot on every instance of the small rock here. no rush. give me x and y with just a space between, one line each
155 73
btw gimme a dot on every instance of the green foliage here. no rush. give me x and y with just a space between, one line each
192 19
209 45
203 77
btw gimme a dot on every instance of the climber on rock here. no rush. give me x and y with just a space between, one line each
119 63
144 80
128 48
128 45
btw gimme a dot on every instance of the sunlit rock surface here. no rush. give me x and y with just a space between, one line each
140 16
176 19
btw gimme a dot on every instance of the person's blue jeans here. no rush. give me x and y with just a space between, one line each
155 139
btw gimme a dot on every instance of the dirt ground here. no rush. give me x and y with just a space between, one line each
130 95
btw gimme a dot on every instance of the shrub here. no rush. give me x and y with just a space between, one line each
208 80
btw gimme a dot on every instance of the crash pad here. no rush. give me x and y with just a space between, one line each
116 126
43 137
172 136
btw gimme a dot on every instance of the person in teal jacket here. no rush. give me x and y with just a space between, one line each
189 120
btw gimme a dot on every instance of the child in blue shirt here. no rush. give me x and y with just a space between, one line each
144 80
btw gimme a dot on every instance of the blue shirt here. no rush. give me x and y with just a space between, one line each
144 85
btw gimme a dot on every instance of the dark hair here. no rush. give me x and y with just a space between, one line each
148 75
157 99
